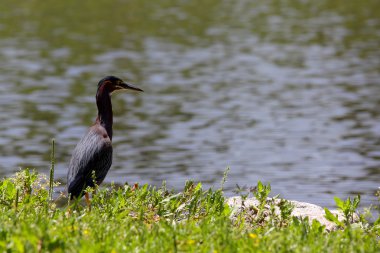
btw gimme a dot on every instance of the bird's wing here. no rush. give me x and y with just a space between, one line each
93 153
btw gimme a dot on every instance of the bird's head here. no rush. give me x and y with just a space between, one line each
113 84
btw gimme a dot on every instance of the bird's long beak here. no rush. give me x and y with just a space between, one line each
127 86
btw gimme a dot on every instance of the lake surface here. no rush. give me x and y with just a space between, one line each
286 92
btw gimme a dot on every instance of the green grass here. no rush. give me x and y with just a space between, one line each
149 219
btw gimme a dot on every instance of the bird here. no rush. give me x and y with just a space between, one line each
92 156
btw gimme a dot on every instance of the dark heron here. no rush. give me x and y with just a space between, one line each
92 157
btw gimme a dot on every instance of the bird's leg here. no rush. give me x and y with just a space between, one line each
135 187
88 202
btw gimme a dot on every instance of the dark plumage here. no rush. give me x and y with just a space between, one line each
92 157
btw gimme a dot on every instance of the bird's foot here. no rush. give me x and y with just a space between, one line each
88 201
135 187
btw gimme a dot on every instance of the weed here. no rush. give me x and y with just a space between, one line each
347 207
52 162
151 219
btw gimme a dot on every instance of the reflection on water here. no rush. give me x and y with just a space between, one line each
279 91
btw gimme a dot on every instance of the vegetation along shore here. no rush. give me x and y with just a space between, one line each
156 219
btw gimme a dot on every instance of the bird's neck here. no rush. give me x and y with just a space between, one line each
105 118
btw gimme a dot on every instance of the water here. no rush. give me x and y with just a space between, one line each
284 92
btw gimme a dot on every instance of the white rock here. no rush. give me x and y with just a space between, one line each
301 210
